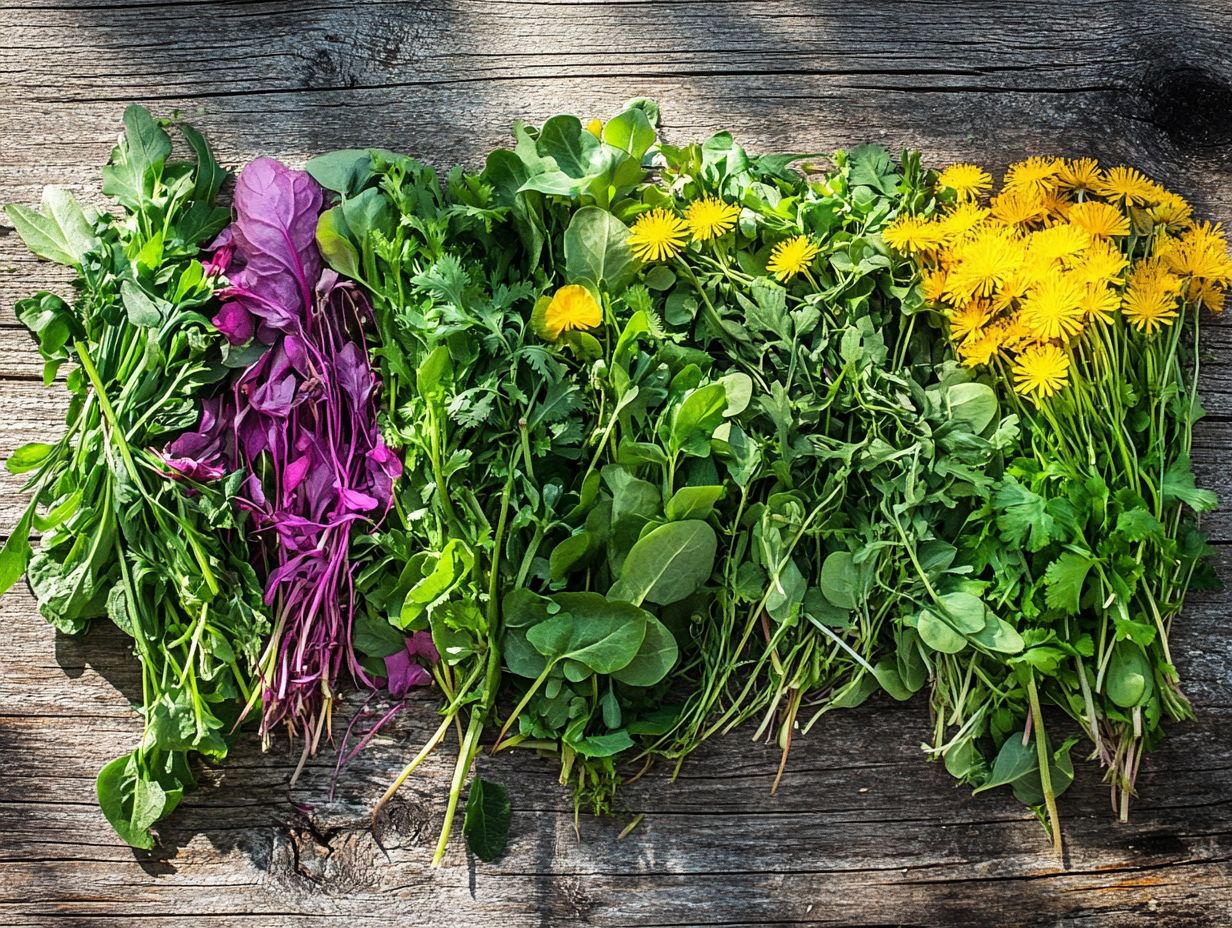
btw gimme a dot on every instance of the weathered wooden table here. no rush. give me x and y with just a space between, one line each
863 832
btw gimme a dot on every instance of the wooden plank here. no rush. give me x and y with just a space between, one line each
864 832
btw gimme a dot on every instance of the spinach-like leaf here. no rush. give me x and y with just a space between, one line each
485 824
668 563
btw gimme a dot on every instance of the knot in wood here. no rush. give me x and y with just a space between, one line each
1190 105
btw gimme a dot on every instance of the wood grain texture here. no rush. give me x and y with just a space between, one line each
863 832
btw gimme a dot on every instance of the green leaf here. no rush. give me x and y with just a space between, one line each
15 555
60 233
375 637
998 635
938 634
785 597
29 456
485 824
1017 766
1025 517
654 659
695 420
738 387
1129 675
694 502
840 579
210 177
132 800
597 250
344 171
631 132
137 160
606 745
1137 524
450 568
367 212
335 245
1178 486
891 681
668 563
634 501
1064 580
591 631
973 404
563 139
1014 761
964 611
142 311
568 553
433 371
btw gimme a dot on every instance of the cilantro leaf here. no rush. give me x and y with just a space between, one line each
1178 486
1064 579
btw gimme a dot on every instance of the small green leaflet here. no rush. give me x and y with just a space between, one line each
1178 486
1064 579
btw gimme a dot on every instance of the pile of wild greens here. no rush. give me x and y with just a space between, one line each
127 532
619 445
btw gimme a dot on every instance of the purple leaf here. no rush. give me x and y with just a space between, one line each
403 673
275 236
192 469
420 644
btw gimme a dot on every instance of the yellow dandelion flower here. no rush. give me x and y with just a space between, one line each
791 257
658 236
1035 174
1202 252
1041 371
1153 274
1021 206
710 217
1101 263
967 180
1057 243
1056 203
1149 308
1211 295
933 284
1172 211
571 308
1128 186
968 320
912 234
977 352
595 128
1080 174
1053 308
1012 289
1101 220
961 221
1099 304
983 263
1014 333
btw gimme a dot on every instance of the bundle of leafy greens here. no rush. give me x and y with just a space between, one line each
765 378
1076 290
127 531
487 414
300 424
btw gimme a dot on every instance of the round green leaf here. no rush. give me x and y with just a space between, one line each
938 634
